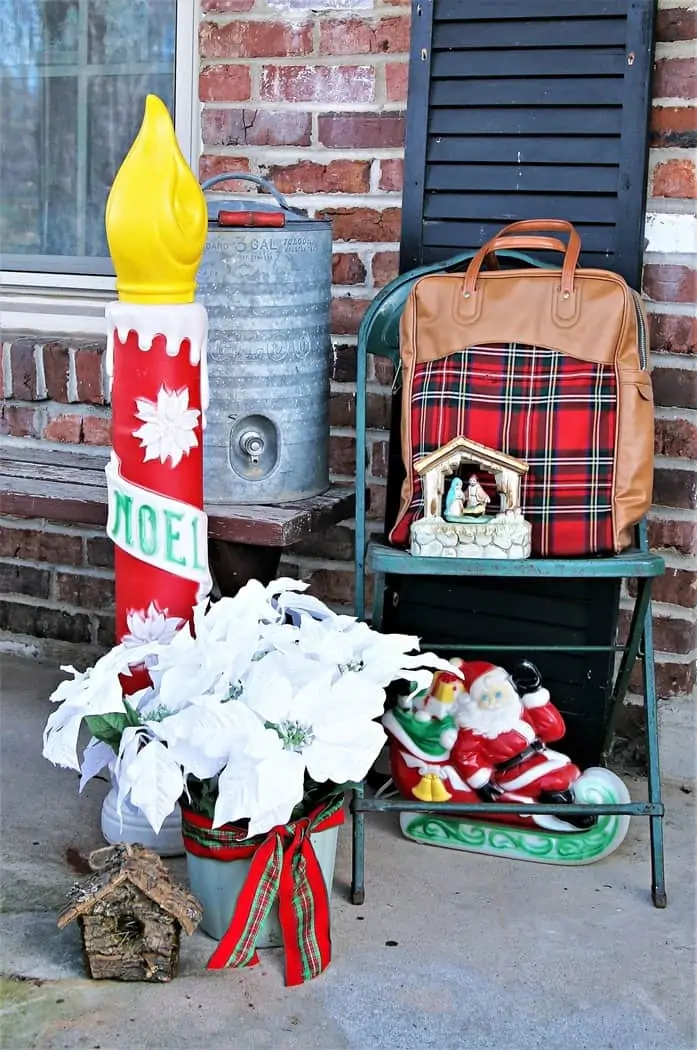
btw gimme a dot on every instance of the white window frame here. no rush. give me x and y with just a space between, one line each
74 303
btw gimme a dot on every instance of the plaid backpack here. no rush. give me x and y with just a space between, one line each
548 365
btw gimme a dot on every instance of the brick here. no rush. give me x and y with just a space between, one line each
43 622
670 283
330 84
337 543
675 23
332 585
344 364
378 411
675 437
379 454
255 127
60 548
347 268
679 536
674 126
265 39
392 174
674 387
672 679
23 369
16 578
396 81
383 370
106 631
342 409
385 267
357 36
671 634
100 552
88 372
342 454
377 494
339 176
223 7
84 591
675 488
675 587
361 130
675 178
346 314
96 430
673 333
67 428
209 166
17 420
675 78
364 224
56 359
225 83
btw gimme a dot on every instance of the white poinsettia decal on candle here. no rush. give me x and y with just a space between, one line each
168 425
150 625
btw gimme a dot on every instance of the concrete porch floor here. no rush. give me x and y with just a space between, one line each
450 950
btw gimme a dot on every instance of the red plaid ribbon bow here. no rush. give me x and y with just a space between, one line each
284 867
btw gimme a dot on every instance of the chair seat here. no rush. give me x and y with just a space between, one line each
631 563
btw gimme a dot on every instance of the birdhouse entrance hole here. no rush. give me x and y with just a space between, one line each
130 928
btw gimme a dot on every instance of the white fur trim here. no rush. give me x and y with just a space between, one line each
553 760
448 738
480 778
537 699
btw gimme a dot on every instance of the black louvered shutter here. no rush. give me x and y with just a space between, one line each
523 109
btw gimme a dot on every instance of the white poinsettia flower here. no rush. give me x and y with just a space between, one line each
94 692
150 625
202 737
262 782
169 425
96 756
147 775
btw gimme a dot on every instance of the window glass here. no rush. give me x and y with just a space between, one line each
73 79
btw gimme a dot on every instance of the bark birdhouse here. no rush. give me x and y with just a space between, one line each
131 915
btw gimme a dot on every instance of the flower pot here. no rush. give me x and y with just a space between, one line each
133 827
217 885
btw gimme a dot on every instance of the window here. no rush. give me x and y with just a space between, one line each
73 79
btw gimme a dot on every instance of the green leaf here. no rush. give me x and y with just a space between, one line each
107 727
133 717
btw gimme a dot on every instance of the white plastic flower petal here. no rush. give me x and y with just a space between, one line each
96 692
338 755
150 625
201 738
156 783
169 424
266 790
95 757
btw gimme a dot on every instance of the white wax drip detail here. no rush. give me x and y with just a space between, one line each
176 323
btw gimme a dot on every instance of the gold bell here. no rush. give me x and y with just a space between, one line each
431 789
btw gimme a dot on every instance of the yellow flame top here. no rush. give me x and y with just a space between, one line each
156 218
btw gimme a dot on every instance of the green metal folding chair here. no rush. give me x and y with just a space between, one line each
379 335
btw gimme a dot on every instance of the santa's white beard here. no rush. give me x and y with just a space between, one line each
489 722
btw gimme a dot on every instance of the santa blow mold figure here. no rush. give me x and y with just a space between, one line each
482 735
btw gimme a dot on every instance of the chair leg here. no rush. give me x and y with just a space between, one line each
658 883
358 849
642 609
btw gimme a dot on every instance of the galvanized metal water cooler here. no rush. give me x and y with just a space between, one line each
265 280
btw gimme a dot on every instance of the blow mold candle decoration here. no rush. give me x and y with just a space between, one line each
156 226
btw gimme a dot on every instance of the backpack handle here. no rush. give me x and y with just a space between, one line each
524 234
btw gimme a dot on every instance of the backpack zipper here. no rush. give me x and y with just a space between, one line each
641 329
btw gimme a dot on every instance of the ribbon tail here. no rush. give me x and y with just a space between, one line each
304 915
237 947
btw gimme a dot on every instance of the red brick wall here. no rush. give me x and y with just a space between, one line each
315 101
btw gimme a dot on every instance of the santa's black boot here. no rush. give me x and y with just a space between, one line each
582 821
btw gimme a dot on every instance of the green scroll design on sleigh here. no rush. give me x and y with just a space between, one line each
534 844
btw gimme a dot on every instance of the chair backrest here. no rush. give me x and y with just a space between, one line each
379 335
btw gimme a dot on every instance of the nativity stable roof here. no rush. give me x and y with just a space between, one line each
490 458
144 870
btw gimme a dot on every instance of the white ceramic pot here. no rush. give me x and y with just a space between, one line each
133 827
217 885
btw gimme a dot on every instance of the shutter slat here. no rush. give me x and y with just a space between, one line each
554 178
512 120
454 10
556 32
502 91
454 235
520 149
507 206
540 62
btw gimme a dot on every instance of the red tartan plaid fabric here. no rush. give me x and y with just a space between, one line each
557 413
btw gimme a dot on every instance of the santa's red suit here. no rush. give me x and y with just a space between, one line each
501 737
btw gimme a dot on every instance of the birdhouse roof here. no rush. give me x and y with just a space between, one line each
489 458
144 870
